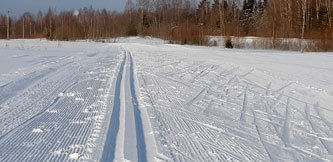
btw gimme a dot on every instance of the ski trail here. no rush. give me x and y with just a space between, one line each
268 90
141 146
244 108
314 128
280 89
316 107
110 143
259 136
125 138
286 126
130 141
119 152
196 97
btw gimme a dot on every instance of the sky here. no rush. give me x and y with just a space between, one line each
18 7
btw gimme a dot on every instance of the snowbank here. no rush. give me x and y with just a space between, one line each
293 44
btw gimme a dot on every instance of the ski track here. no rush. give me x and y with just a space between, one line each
134 146
141 146
111 138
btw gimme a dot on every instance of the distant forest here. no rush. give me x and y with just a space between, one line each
183 21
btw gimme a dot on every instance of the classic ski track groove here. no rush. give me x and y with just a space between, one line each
111 137
113 130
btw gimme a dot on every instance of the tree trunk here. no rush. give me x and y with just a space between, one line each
30 29
329 10
8 25
273 26
318 4
221 18
304 9
50 27
304 6
23 28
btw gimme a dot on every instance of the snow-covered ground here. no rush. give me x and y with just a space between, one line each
55 99
140 99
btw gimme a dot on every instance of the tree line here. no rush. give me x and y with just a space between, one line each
182 21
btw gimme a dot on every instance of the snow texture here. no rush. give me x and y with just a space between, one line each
140 99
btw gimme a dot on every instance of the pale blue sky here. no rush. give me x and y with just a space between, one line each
18 7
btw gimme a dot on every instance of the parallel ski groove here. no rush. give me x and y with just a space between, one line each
110 143
141 146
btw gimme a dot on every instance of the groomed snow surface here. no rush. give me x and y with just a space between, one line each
140 99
